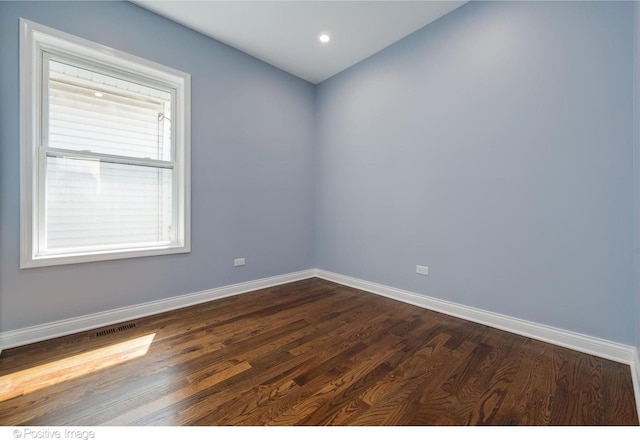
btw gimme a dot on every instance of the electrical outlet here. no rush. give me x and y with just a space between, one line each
238 262
422 270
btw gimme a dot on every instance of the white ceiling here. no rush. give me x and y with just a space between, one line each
285 33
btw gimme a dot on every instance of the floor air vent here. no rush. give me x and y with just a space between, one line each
127 326
113 330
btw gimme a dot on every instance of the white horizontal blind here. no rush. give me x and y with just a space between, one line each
89 111
93 203
109 175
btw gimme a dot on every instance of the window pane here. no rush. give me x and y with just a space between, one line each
92 203
89 111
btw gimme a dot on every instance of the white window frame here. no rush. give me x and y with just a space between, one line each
36 42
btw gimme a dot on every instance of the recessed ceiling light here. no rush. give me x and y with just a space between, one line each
324 38
98 94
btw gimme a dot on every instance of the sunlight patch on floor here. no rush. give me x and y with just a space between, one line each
53 373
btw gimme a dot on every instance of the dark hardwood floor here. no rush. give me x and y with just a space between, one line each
308 353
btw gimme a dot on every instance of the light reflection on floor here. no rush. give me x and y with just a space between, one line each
52 373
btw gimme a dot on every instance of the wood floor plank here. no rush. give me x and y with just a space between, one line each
501 368
310 352
618 400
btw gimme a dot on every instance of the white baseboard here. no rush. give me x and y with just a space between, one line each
635 376
65 327
576 341
587 344
603 348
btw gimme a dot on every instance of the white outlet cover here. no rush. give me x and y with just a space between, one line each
422 270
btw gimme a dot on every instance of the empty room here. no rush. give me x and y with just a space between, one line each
345 213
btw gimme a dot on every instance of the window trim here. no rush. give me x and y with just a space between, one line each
36 41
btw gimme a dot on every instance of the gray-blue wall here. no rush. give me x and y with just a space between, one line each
636 162
252 171
496 147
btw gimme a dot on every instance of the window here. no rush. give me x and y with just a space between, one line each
104 152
